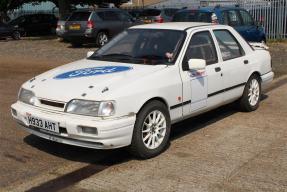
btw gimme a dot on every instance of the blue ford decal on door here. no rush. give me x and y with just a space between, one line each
92 71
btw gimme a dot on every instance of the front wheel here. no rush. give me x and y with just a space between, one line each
252 94
151 131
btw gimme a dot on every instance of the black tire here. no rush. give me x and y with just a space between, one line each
138 148
16 35
245 103
102 38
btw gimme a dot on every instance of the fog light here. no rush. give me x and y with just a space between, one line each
14 112
89 130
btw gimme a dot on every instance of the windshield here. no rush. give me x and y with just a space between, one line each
142 46
192 16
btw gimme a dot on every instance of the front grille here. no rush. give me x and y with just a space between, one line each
52 103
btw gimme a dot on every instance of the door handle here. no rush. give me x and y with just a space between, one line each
246 61
217 69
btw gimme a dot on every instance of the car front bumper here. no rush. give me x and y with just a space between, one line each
110 133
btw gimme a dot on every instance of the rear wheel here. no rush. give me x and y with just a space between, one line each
151 131
102 38
16 35
252 94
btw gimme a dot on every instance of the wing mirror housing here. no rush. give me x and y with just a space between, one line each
90 53
196 64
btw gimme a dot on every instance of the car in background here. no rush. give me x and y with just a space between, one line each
60 30
36 24
97 26
7 30
237 17
157 15
135 13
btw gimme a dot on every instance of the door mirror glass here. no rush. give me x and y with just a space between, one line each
196 64
90 53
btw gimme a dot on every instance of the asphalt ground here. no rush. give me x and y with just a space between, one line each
223 150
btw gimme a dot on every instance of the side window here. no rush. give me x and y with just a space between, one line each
246 18
233 18
111 16
201 46
228 45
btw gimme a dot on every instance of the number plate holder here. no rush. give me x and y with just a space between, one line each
41 123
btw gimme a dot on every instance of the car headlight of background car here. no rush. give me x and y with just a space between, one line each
91 108
26 96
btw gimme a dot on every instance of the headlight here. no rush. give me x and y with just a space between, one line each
91 108
27 96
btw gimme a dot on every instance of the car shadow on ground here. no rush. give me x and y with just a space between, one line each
83 46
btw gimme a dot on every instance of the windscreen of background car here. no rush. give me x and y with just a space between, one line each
192 16
80 16
142 46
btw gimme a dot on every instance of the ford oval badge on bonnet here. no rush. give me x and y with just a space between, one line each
92 71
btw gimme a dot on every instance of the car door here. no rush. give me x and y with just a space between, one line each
114 22
127 20
248 29
233 19
204 87
234 64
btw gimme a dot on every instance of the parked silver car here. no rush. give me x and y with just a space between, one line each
96 26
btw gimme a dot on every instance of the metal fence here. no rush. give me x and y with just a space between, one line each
272 13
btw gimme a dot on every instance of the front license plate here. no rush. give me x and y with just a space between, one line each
75 27
43 123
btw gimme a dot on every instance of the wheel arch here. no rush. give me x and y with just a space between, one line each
160 99
257 73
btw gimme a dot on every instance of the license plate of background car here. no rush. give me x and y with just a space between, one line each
75 27
43 123
147 21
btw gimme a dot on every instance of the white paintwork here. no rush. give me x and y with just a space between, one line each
131 89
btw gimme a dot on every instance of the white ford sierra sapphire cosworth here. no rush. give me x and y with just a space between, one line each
130 91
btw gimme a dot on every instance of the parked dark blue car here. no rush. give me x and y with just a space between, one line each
236 17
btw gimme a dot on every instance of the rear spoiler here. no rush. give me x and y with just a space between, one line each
257 45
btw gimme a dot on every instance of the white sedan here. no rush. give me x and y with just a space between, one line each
130 91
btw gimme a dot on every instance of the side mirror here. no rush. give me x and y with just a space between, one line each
90 53
196 64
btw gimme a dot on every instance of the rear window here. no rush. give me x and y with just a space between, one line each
150 12
80 16
192 16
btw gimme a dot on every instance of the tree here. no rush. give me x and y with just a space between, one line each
63 5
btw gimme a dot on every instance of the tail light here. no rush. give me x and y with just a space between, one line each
159 19
90 24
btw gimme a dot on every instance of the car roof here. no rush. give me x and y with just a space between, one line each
172 25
